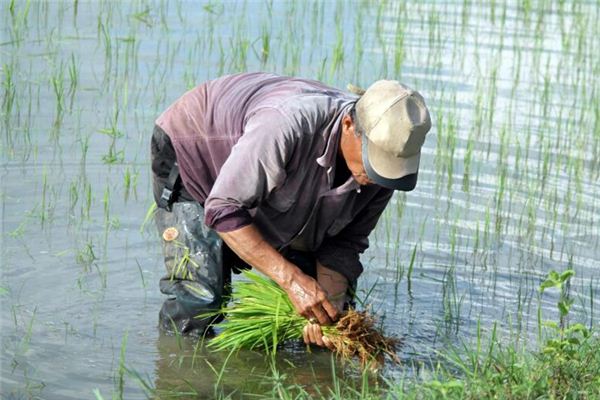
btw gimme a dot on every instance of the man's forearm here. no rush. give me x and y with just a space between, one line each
248 243
334 283
307 296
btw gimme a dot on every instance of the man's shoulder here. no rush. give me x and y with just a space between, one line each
273 89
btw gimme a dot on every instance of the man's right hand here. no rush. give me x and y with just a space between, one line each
310 300
307 296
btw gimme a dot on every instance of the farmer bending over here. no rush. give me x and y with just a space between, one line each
285 175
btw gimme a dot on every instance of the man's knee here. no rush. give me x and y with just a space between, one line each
196 280
176 318
192 306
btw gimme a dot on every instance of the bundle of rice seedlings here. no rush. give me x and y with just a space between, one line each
261 316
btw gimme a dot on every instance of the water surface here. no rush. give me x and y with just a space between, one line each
508 186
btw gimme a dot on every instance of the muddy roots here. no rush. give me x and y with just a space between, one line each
355 335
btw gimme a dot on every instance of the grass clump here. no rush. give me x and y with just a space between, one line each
261 316
566 366
511 372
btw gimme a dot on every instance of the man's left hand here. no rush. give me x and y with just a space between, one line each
313 334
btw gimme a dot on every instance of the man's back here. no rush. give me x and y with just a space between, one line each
207 121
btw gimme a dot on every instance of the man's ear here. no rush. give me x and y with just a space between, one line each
347 124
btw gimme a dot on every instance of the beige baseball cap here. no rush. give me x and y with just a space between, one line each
394 120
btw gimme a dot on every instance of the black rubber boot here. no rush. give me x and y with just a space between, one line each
197 282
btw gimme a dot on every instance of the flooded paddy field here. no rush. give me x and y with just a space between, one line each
508 186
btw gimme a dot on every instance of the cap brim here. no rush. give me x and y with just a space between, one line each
387 170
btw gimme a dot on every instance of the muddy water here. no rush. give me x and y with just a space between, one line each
508 187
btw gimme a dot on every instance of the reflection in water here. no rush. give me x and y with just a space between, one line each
185 367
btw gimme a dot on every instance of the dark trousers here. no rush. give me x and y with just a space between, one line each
198 262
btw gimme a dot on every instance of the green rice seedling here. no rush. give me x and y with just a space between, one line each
410 271
387 227
143 16
195 356
9 98
441 148
399 274
97 394
19 21
434 55
142 277
493 12
189 76
84 142
47 203
120 378
499 200
399 50
265 50
222 58
75 10
321 72
86 257
337 58
11 8
451 301
467 163
381 38
220 373
113 156
477 239
130 57
317 22
262 317
149 216
296 58
127 183
73 195
450 145
492 92
104 37
73 80
147 385
58 87
106 206
239 45
87 204
465 14
359 50
19 231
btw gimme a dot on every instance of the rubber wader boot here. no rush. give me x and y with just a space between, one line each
196 280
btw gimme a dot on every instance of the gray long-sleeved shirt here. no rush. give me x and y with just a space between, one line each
261 148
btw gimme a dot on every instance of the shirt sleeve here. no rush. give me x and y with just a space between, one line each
255 167
340 253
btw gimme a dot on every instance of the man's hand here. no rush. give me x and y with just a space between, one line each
313 334
310 300
336 287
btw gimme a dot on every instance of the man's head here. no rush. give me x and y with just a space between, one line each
392 121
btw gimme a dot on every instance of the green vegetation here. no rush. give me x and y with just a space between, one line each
566 367
262 316
508 190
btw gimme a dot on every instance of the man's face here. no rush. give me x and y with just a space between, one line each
351 146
